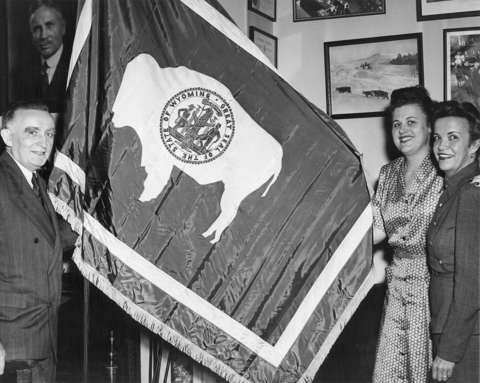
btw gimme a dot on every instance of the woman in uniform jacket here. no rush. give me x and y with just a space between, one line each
454 245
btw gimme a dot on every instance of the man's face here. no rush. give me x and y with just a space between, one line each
29 137
48 28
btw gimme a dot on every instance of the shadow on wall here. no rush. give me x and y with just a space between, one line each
352 358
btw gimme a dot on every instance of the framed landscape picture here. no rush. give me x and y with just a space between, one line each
265 8
306 10
360 74
462 65
445 9
266 42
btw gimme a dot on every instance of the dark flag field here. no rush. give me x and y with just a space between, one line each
217 206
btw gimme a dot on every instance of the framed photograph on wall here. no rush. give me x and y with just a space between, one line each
306 10
445 9
265 8
462 64
361 74
266 42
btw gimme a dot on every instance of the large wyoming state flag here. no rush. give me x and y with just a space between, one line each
217 206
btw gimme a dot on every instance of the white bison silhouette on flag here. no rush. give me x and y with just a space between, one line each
192 121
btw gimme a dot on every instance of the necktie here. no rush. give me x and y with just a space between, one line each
38 193
44 77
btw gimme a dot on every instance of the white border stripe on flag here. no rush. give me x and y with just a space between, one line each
273 354
318 290
82 31
336 330
74 171
227 28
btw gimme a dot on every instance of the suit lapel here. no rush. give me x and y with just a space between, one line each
50 210
27 201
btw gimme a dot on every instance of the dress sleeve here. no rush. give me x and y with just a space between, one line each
465 304
378 201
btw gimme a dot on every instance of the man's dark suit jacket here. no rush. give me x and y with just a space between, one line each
30 267
27 83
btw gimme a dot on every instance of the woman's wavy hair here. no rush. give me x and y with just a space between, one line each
417 95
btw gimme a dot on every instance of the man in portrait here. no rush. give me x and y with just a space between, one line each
45 78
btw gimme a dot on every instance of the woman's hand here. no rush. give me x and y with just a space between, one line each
476 181
378 236
2 359
442 369
379 265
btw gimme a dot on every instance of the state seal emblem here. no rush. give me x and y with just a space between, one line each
197 125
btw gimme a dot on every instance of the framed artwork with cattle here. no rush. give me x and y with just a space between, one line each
306 10
360 74
446 9
462 65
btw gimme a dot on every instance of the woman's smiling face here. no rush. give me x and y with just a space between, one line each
410 129
452 144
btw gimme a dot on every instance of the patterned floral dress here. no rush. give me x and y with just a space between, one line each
404 351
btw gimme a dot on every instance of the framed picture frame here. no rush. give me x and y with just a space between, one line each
360 74
461 52
446 9
307 10
267 43
265 8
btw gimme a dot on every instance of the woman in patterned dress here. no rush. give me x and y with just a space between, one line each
404 203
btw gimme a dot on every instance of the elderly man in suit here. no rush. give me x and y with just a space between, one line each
46 77
30 247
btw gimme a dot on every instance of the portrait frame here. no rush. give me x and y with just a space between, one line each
266 42
360 74
461 53
320 10
264 8
446 9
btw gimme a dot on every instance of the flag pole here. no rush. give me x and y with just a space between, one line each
86 327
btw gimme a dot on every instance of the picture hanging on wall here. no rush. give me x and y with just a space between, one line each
445 9
462 65
266 42
360 74
265 8
306 10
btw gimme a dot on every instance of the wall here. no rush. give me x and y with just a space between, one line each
301 59
238 11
